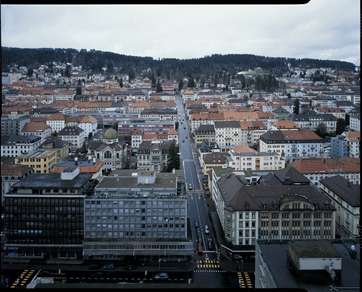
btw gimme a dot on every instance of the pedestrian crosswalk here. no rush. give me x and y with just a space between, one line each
24 278
208 266
244 280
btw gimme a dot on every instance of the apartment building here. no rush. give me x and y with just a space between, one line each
56 122
13 124
40 161
74 135
345 197
213 159
292 144
88 124
354 121
35 128
312 120
227 134
353 139
251 131
272 211
205 133
153 155
13 146
243 157
319 168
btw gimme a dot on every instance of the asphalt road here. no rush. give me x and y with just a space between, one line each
197 206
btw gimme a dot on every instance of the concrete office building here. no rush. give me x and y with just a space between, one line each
139 214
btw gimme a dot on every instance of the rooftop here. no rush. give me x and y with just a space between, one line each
15 169
52 181
324 165
340 186
275 257
163 180
238 196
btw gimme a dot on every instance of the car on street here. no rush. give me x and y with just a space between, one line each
196 225
207 230
183 141
190 187
161 276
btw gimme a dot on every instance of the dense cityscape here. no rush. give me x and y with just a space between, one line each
223 171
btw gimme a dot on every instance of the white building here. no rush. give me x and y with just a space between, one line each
14 146
227 134
354 122
88 124
75 136
346 199
292 144
244 158
56 122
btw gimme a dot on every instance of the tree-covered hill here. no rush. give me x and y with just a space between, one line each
94 60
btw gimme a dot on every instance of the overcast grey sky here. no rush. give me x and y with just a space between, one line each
326 29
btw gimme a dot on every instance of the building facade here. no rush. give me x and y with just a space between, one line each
138 214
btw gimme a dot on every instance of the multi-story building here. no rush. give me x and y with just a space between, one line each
44 217
227 134
251 131
205 133
109 150
243 157
40 161
303 265
162 114
140 214
317 169
292 144
271 211
339 147
312 120
58 144
213 159
345 197
353 138
56 122
11 174
35 128
136 138
153 155
88 124
354 121
74 135
13 146
13 124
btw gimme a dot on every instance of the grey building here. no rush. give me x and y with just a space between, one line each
339 147
153 155
13 124
139 214
317 266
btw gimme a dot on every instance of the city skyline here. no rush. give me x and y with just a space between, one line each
140 30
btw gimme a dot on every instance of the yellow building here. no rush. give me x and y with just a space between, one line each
40 161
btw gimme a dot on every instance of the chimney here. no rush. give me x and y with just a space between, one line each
94 160
89 158
76 160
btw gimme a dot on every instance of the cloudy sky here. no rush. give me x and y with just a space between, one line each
325 29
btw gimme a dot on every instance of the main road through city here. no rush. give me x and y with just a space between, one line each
197 206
